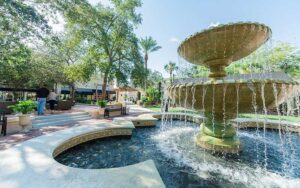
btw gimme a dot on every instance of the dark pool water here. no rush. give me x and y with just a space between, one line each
267 160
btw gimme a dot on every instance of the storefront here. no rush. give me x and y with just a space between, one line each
84 95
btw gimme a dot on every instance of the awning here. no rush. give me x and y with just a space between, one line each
17 89
85 91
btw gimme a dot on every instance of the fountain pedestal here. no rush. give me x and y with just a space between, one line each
218 135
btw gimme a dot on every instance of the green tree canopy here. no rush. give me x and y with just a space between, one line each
109 32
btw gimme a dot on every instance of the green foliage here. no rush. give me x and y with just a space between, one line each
102 103
24 107
20 19
271 117
281 57
170 68
152 95
190 71
154 78
148 45
15 66
144 99
138 77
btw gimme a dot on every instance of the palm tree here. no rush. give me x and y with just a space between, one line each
148 45
170 68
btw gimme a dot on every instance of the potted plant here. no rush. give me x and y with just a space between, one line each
102 104
24 108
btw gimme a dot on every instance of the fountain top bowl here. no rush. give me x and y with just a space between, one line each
219 46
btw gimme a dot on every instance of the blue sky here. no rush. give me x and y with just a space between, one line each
171 21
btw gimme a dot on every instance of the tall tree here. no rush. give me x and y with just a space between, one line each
170 68
15 67
66 51
148 45
19 21
109 32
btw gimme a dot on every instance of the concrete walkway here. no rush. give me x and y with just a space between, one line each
31 163
59 121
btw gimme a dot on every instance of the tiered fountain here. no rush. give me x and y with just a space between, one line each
221 100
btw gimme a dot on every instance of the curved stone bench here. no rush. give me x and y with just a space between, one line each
31 163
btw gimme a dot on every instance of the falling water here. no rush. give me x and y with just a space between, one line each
265 121
298 101
275 92
163 109
251 86
213 108
252 28
225 43
173 105
237 104
193 90
290 145
224 109
180 98
185 103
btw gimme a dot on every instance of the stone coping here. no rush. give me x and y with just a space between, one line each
239 122
144 120
31 163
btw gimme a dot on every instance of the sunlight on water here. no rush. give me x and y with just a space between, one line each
177 143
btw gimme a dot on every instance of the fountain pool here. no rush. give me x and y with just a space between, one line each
181 163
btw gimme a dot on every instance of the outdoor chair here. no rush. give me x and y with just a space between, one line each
4 106
3 123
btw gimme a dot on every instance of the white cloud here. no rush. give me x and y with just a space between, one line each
174 39
214 24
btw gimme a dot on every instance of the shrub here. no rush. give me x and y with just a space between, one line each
102 103
152 95
24 107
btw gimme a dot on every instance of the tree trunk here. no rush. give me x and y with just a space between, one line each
171 77
146 68
56 88
72 92
96 92
104 85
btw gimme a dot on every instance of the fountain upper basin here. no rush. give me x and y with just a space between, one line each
231 42
217 47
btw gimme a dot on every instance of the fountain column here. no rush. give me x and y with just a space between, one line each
218 135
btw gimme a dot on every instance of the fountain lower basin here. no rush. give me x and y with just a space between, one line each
221 101
180 163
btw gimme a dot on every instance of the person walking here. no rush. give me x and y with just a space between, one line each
42 94
52 100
